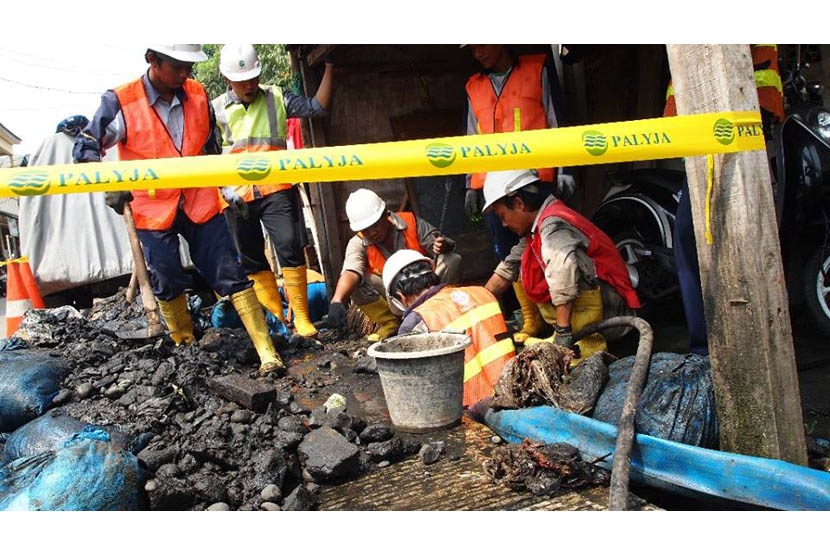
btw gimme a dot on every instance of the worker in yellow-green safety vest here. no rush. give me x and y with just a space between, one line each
252 118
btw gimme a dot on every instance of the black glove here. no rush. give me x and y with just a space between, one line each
473 203
563 336
337 315
117 199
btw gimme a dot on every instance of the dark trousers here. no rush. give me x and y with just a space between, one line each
281 216
211 249
688 274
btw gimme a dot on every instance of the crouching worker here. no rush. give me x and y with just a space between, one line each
379 234
430 306
165 114
569 267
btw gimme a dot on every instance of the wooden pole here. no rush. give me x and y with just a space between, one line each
744 294
154 326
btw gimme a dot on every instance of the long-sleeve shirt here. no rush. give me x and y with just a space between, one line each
296 106
107 127
568 268
357 260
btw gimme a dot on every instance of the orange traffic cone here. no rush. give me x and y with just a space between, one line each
17 300
30 284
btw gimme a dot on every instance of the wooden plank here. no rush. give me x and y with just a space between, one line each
750 339
319 54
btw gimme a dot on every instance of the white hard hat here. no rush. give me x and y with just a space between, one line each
239 62
364 208
181 52
506 182
397 262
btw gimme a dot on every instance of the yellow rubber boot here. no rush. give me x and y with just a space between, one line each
253 317
296 288
178 321
380 313
587 310
532 320
268 292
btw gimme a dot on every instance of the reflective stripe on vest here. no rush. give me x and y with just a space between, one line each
147 138
475 311
259 127
518 107
410 235
767 81
608 263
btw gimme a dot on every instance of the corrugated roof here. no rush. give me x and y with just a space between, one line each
12 138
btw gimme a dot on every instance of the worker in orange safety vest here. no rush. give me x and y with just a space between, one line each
430 306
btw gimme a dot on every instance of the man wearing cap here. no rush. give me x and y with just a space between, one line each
252 118
165 114
430 306
512 93
569 268
379 234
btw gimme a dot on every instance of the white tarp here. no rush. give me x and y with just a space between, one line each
71 240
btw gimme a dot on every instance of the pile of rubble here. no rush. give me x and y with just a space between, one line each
222 436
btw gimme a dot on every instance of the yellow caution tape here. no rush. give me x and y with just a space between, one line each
657 138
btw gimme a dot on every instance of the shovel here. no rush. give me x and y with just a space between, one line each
154 327
437 233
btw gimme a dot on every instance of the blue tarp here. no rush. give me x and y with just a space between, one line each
88 473
671 465
29 381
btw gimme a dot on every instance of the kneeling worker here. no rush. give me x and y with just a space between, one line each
569 267
165 114
431 306
379 235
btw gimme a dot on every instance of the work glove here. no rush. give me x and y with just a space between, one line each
237 204
565 186
337 315
473 203
117 199
563 336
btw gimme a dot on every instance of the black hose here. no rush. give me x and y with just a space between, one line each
618 499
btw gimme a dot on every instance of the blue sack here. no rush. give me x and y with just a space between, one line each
87 473
678 401
49 432
29 381
224 315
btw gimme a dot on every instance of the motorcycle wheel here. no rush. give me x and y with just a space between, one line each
816 284
654 279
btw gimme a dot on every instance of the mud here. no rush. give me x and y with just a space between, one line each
208 451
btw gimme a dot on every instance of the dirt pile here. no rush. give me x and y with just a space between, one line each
207 451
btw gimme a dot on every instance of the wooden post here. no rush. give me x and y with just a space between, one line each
744 294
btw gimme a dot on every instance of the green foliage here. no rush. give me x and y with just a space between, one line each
276 68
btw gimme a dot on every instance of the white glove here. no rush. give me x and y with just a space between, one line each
565 186
237 203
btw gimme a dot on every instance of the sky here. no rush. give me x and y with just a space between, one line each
36 80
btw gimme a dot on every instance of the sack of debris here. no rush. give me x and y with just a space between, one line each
224 315
678 401
88 473
29 381
49 432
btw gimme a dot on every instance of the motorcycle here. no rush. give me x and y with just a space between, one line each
638 210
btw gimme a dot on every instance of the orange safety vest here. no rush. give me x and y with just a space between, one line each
267 105
518 108
767 82
147 138
608 263
476 311
376 259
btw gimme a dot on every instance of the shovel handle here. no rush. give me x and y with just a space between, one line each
147 299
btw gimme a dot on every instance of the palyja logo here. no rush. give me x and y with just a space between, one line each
253 169
440 155
595 143
724 131
31 182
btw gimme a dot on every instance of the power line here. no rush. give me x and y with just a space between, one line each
51 88
66 69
